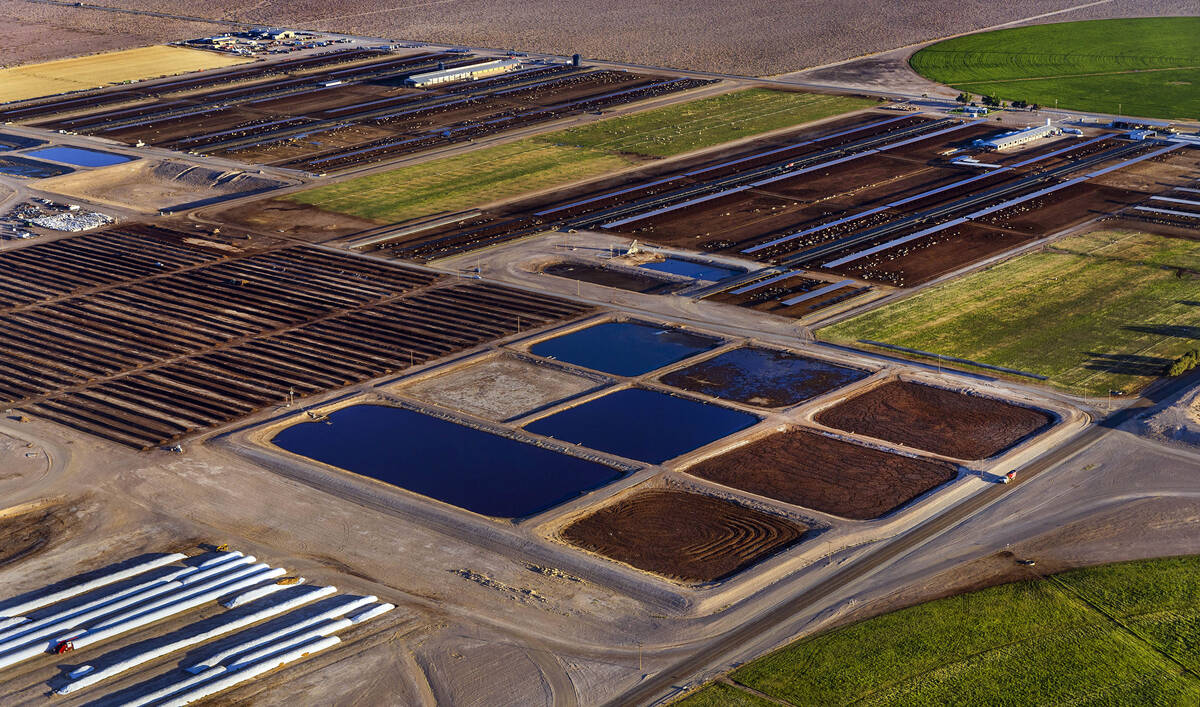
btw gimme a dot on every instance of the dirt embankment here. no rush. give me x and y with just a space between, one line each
825 474
936 420
685 536
32 528
147 185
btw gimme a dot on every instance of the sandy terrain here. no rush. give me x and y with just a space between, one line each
37 32
150 186
760 37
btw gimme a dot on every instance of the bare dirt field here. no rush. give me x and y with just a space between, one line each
39 32
609 277
501 388
936 420
759 37
291 218
825 474
151 186
685 536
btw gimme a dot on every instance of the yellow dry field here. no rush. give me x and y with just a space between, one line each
33 80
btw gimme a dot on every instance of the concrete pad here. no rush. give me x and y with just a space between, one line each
502 387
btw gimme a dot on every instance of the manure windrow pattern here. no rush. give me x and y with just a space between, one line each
147 347
686 536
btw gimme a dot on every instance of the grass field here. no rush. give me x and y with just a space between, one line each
33 80
522 167
456 183
1146 66
1102 311
1116 634
706 122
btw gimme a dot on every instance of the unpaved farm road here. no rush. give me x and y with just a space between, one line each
720 650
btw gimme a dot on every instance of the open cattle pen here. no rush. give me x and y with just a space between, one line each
159 339
878 200
311 116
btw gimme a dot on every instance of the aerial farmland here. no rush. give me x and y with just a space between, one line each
483 363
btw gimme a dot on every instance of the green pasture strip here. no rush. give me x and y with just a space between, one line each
1108 635
706 122
1094 313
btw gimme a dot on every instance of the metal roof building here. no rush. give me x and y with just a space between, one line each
473 71
1020 137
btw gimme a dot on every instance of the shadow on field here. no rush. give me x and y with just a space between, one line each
1126 364
1179 331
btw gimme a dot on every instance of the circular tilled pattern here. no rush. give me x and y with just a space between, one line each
682 535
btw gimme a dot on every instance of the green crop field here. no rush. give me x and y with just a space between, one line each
1144 67
525 166
462 181
683 127
1116 634
1097 312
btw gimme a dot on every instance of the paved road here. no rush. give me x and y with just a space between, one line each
718 651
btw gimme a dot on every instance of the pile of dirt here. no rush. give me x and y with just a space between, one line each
167 185
825 474
685 536
936 420
31 529
1178 420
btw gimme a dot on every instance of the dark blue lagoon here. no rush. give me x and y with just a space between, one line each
625 348
18 142
465 467
763 377
18 166
79 156
643 424
693 269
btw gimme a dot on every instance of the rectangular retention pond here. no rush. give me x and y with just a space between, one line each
693 269
643 424
763 377
460 465
625 348
79 156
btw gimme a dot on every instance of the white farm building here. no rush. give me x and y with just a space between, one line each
462 73
1020 137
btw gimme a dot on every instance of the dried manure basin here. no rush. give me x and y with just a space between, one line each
826 474
936 420
763 377
643 424
459 465
625 348
502 388
681 535
621 280
35 169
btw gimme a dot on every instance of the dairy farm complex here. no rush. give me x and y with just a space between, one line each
592 439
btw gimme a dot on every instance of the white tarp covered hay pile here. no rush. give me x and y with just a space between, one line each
268 621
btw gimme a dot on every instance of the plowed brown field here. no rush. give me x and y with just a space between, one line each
681 535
